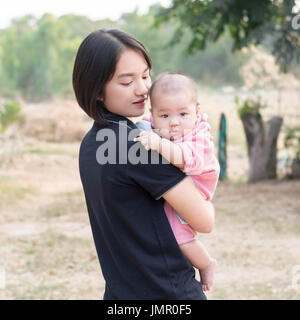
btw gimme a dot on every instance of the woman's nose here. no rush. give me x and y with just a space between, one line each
142 88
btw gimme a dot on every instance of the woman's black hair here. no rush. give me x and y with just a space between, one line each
95 65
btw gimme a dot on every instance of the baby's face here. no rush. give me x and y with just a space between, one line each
174 115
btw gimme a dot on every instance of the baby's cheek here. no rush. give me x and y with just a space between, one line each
186 131
188 127
164 132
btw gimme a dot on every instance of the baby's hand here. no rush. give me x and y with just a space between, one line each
149 139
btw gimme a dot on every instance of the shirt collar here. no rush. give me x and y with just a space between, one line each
116 118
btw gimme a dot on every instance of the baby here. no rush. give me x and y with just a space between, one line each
181 135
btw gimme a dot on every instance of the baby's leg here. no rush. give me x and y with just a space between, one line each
197 254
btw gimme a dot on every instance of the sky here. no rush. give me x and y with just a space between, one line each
94 9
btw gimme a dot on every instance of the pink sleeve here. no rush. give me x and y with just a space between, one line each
149 119
197 148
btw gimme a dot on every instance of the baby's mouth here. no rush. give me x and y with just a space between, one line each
175 132
174 135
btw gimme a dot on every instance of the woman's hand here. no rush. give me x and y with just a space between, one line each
149 139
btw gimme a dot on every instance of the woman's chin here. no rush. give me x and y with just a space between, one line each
138 113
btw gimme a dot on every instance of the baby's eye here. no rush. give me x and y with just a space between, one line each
183 114
164 116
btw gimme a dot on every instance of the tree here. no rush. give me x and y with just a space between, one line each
254 22
37 55
23 53
261 140
166 57
48 41
248 22
261 72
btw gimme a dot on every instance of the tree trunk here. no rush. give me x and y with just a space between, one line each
262 145
296 168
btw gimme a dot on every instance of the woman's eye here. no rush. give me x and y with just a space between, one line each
126 84
164 116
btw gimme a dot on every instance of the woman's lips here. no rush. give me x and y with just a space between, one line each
140 103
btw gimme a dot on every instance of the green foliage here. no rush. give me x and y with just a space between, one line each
10 112
248 22
292 140
250 106
214 66
37 55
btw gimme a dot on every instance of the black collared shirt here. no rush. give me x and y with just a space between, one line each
138 254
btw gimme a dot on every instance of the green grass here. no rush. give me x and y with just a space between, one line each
11 190
66 203
42 291
51 151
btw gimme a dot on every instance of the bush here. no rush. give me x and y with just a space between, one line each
250 106
292 140
10 112
291 159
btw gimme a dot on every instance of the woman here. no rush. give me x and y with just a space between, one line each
124 185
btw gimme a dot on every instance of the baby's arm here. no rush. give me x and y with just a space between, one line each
168 149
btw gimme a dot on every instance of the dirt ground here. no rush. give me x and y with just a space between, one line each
47 250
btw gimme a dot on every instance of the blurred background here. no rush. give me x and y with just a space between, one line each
244 57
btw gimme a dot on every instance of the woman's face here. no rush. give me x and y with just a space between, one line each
127 92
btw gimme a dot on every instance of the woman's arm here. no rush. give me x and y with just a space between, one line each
192 207
168 149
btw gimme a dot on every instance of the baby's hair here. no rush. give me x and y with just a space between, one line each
173 82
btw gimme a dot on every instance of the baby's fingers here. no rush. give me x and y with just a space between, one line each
140 137
145 144
142 140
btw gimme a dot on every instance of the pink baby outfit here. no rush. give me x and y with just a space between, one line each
203 167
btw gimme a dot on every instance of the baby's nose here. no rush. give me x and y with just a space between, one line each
174 122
